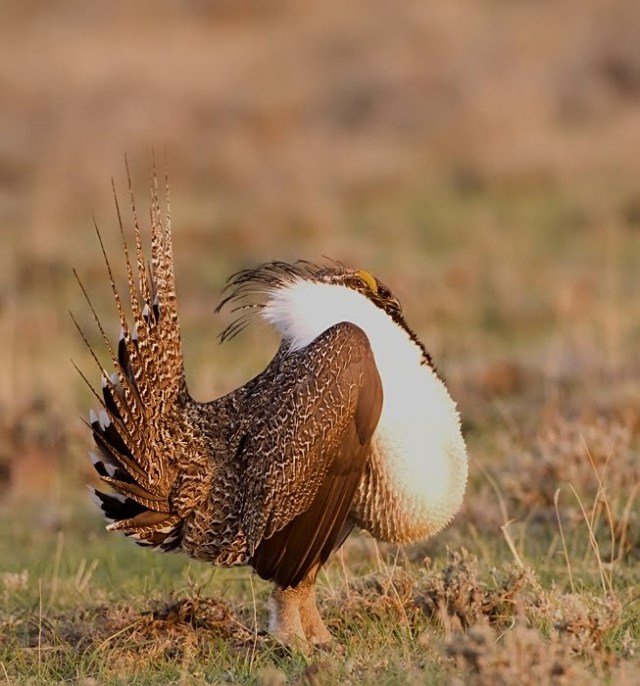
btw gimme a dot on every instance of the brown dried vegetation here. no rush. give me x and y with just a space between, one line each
123 636
520 656
582 472
500 626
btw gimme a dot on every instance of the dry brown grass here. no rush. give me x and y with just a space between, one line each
581 471
124 638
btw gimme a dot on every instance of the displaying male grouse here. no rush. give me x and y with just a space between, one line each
349 425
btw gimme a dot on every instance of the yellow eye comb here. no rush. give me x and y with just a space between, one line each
368 279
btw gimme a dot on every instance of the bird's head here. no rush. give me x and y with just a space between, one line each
252 289
363 282
303 299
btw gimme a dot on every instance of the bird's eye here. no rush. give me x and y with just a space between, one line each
368 280
393 305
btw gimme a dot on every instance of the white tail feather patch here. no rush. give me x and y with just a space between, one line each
93 495
104 420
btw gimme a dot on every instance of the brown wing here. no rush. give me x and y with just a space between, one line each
305 452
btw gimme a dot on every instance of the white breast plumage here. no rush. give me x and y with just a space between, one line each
418 435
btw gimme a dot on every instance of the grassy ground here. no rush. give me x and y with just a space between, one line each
481 160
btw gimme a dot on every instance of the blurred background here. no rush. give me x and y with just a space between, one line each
481 157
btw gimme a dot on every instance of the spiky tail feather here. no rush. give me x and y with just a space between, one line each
144 399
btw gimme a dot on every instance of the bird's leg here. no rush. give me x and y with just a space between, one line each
314 628
294 618
284 616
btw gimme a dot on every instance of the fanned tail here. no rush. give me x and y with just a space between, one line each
143 403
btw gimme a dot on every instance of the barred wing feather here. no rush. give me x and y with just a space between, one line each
304 456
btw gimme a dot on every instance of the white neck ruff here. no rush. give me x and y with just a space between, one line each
419 429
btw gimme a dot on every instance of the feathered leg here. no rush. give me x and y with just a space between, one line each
285 622
315 629
294 617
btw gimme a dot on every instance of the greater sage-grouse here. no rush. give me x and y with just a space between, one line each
348 426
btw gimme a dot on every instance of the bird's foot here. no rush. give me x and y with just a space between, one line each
314 628
313 625
294 618
285 623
